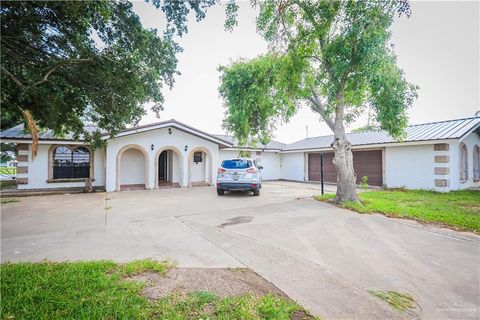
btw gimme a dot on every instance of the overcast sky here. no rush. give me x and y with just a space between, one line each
437 47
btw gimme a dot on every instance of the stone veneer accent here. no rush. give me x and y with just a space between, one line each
442 159
442 183
22 146
22 180
441 147
22 170
442 171
22 158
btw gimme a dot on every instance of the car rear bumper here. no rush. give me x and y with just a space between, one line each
238 186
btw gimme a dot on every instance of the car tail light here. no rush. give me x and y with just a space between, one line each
221 170
252 170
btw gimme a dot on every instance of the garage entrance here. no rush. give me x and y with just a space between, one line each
365 163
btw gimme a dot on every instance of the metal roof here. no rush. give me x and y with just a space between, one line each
272 145
443 130
18 132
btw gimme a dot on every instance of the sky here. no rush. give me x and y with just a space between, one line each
437 47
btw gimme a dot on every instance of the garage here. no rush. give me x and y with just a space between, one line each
365 163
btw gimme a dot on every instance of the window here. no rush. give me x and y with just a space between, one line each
236 164
476 163
197 157
71 163
463 163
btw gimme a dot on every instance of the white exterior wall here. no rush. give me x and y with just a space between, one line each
269 160
271 163
226 154
470 141
176 167
199 169
133 167
38 170
410 166
293 166
160 139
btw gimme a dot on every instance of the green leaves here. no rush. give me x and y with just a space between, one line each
74 62
260 93
338 49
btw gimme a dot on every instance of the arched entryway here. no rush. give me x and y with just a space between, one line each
168 168
132 168
200 167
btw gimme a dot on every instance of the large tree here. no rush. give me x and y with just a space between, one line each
65 63
335 57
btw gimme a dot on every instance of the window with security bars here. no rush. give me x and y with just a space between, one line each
197 157
71 163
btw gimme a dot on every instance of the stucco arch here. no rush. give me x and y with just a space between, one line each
209 168
180 157
119 164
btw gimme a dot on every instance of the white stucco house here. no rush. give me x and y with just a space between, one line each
440 156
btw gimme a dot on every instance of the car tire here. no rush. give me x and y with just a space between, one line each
220 192
256 192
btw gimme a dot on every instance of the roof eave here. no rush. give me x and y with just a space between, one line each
42 141
175 124
374 145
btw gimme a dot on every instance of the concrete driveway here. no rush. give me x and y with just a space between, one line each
322 256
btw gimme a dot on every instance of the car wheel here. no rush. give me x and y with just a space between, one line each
256 192
220 192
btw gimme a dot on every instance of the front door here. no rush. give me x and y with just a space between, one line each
163 166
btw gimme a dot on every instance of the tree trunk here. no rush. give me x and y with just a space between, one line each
343 158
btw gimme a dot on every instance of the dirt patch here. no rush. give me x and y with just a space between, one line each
301 315
222 282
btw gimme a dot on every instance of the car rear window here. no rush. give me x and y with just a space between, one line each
236 164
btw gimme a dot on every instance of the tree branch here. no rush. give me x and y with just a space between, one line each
318 107
15 79
52 70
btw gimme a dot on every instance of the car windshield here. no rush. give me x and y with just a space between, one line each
236 164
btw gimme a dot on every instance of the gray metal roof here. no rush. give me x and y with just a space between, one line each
18 132
443 130
272 145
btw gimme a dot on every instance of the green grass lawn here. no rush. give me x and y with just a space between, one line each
99 290
8 200
457 209
8 170
7 183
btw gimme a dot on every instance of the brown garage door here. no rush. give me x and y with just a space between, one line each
365 163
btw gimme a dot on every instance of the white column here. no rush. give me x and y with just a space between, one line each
151 168
111 169
185 164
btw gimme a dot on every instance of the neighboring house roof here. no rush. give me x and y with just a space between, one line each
442 130
18 132
272 145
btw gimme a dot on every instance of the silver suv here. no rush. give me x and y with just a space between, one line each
239 174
